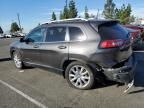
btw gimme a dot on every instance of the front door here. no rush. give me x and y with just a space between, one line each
55 49
30 49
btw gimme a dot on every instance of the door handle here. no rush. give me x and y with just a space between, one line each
62 47
36 46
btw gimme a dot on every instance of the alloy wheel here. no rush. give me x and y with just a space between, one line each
17 60
79 76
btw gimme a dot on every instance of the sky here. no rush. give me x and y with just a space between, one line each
33 12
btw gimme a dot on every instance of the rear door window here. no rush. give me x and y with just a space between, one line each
112 31
55 34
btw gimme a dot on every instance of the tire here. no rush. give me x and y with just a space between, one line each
80 76
17 60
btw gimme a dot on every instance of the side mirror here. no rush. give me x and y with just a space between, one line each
28 40
22 40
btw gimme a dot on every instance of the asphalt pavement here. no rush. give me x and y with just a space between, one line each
38 88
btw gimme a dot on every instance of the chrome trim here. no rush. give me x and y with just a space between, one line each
67 36
59 42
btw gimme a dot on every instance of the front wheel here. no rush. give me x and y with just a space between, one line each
80 76
17 60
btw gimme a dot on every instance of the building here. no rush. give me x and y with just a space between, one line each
142 21
139 21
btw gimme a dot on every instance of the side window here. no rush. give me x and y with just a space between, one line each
37 35
76 34
56 34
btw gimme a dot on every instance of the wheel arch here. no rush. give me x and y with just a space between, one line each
67 62
12 51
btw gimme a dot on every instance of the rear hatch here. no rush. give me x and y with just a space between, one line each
114 38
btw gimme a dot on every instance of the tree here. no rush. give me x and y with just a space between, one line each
86 13
14 27
124 14
69 11
53 16
39 24
72 9
65 12
109 10
132 18
1 31
61 15
117 13
92 16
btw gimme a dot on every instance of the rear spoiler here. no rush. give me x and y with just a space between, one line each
103 22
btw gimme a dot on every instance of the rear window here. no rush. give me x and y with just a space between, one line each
76 34
110 31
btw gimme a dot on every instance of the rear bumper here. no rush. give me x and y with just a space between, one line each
122 74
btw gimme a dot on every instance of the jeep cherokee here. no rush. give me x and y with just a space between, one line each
82 50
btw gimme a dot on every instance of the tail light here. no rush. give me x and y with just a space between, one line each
111 43
134 35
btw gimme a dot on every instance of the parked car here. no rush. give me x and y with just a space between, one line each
22 34
135 27
15 34
81 50
18 34
136 37
1 36
8 35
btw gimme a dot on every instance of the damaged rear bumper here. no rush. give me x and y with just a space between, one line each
123 74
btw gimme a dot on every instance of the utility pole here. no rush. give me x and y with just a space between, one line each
18 15
97 14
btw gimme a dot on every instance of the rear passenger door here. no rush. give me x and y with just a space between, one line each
78 46
55 48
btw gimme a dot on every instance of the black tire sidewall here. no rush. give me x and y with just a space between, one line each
91 73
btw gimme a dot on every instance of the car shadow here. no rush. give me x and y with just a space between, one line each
139 73
138 80
106 83
137 91
5 59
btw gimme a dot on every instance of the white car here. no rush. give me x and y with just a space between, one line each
1 36
8 36
18 34
22 34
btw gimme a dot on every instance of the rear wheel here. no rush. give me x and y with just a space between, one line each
80 76
17 60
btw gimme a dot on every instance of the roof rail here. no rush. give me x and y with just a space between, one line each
67 20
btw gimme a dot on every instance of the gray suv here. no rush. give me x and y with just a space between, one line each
81 50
